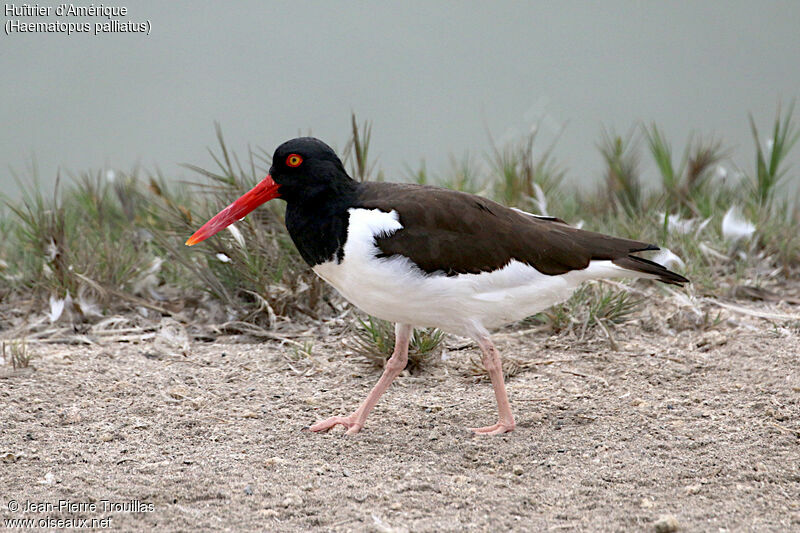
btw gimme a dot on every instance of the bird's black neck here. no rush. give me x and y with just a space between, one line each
317 223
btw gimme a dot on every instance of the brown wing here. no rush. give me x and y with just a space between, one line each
458 233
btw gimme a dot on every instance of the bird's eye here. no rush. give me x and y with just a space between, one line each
294 160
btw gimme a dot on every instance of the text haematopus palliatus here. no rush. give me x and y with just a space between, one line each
427 256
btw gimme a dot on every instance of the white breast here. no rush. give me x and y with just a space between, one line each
395 289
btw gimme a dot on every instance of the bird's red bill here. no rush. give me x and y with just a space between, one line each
265 191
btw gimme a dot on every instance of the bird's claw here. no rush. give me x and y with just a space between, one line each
350 422
497 429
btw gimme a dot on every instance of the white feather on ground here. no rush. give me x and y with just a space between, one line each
735 227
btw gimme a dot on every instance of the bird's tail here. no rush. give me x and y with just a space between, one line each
645 266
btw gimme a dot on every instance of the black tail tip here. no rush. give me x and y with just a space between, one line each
646 266
672 278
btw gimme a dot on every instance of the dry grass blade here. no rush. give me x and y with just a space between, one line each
511 366
752 312
236 326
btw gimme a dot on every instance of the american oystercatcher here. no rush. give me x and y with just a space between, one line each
427 256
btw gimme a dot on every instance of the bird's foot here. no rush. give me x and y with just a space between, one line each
497 429
351 422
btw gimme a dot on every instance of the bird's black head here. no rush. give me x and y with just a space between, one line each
305 168
305 171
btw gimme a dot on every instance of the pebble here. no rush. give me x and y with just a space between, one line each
710 340
518 470
9 457
69 416
292 500
666 524
693 489
179 392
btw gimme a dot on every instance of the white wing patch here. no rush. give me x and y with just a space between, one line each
372 223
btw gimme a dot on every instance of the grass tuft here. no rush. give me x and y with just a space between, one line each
520 178
589 306
16 353
770 155
623 188
373 341
356 152
685 187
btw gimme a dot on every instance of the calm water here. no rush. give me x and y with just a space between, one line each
433 77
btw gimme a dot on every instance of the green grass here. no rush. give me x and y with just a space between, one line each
111 245
519 177
770 155
80 239
374 342
16 353
622 178
591 305
685 188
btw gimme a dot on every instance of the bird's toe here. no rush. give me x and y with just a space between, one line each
496 429
348 422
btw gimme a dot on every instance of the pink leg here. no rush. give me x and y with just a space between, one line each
394 366
491 360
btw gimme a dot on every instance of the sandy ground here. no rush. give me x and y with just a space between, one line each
700 425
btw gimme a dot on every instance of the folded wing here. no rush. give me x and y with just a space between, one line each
457 233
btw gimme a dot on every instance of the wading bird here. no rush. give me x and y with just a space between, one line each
427 256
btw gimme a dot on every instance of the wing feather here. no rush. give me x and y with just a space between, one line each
455 233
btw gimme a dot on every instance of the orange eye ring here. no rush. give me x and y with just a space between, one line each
293 160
